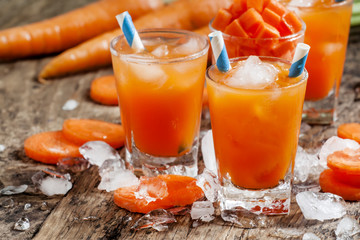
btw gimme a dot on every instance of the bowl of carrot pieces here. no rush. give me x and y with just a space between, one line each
259 27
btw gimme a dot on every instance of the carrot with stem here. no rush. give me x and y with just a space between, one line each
69 29
181 14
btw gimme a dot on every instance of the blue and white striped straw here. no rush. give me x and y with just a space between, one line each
299 60
128 28
219 51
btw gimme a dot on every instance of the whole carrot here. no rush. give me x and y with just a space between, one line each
182 14
69 29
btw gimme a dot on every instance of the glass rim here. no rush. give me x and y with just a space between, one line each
323 4
269 58
298 34
131 57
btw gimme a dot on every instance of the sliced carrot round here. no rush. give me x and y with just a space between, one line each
351 179
50 147
346 161
177 191
103 90
329 183
350 131
81 131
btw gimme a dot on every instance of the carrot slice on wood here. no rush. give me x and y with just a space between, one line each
329 183
222 19
163 191
235 29
81 131
258 5
50 147
350 131
346 161
265 30
350 179
250 21
103 90
276 7
271 17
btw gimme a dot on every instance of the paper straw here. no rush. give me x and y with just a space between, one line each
299 60
219 51
128 28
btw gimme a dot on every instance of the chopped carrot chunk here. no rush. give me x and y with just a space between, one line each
271 17
276 7
250 21
257 4
235 29
222 19
265 30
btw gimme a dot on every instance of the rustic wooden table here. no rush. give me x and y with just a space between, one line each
28 107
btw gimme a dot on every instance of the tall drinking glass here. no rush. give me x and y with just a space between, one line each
255 131
327 32
160 97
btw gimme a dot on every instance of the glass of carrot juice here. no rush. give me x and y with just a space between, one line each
328 24
255 112
160 99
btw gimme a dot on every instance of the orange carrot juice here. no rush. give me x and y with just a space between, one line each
255 127
327 32
160 92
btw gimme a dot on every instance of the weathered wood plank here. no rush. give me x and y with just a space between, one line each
27 107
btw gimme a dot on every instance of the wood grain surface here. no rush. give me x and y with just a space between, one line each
28 107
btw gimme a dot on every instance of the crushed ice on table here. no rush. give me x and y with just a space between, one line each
310 236
8 203
27 206
157 219
252 74
70 104
190 47
114 175
52 183
22 224
151 190
307 165
96 152
347 228
73 164
44 206
11 190
208 152
304 127
203 210
160 51
210 184
321 206
334 144
2 148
